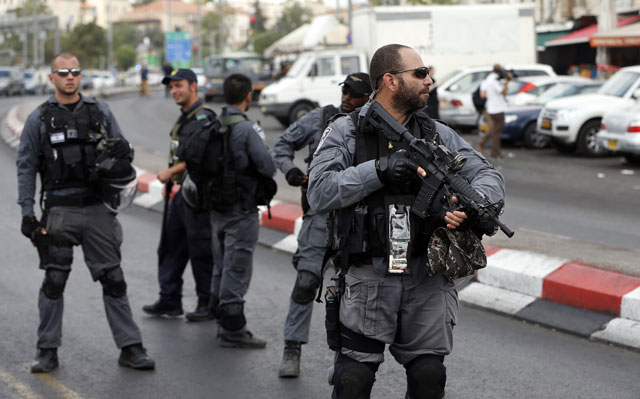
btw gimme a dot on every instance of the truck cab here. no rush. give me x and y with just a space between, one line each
311 82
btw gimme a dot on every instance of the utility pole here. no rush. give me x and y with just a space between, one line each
109 38
34 26
198 40
608 20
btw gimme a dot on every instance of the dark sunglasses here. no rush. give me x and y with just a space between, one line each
420 72
353 94
65 71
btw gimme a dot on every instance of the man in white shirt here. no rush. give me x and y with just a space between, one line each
494 90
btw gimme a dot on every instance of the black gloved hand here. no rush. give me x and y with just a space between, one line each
396 169
119 149
295 177
29 225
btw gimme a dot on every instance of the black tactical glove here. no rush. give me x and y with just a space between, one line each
29 225
295 177
396 169
444 203
119 148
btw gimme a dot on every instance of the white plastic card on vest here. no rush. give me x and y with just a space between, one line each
399 236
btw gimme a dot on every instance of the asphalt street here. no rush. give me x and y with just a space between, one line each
494 356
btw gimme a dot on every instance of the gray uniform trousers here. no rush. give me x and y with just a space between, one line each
99 233
415 319
234 236
312 244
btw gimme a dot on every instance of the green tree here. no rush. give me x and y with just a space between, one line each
29 6
125 33
88 42
293 16
265 39
125 56
213 25
259 16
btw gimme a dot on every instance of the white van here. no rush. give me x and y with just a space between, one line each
311 82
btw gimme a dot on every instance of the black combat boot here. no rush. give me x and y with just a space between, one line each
162 309
46 360
204 311
135 356
290 367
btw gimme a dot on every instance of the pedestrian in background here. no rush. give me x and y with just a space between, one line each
391 295
234 214
494 90
76 145
144 80
433 102
166 70
186 232
312 239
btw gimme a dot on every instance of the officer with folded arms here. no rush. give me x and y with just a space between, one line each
76 146
393 294
312 239
186 231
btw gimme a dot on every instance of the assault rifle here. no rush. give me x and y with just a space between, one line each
438 161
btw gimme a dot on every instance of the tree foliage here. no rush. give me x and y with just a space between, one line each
260 18
293 16
125 56
29 6
88 42
125 33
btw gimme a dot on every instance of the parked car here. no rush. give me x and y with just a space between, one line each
456 106
526 90
520 120
573 122
620 132
11 81
35 82
200 76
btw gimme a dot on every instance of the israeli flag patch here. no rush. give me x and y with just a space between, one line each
57 138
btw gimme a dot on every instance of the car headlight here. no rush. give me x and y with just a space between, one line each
510 118
268 98
565 115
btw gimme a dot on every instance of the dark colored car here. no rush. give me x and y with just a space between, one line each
218 67
520 121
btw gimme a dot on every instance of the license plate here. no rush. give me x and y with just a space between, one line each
612 145
484 128
546 124
444 102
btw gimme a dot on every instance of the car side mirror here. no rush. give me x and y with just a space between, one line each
636 94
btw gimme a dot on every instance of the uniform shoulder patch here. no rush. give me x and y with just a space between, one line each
258 129
325 134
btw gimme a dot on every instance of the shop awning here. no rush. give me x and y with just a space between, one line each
544 37
583 35
626 36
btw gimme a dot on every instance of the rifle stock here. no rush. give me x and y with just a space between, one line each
440 162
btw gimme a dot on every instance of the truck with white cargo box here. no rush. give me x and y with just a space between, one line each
446 37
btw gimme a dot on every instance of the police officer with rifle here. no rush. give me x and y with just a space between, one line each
406 221
76 146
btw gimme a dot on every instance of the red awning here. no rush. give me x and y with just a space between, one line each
583 35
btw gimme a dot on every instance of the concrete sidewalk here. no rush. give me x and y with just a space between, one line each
582 288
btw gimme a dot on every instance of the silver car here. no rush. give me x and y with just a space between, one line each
11 81
620 132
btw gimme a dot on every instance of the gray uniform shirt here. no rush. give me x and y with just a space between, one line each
306 131
247 146
334 182
30 151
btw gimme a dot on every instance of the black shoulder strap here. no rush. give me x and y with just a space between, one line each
328 112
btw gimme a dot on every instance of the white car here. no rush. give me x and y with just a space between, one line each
202 79
573 122
456 106
528 89
620 132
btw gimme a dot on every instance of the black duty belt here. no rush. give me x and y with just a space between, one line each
71 201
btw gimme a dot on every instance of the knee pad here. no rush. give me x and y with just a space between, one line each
426 377
54 283
353 379
113 283
232 316
305 288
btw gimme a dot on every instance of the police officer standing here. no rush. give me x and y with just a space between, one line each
234 214
390 297
312 238
75 143
186 232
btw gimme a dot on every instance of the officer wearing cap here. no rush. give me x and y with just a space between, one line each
390 295
312 239
67 140
186 231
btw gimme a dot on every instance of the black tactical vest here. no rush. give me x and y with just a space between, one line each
69 146
361 231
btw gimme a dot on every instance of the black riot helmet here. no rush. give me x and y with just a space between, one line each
118 185
190 193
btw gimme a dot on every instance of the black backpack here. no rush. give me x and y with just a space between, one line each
478 102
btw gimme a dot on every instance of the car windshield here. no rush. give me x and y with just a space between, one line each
469 82
619 84
515 86
4 74
221 66
28 75
556 91
299 66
